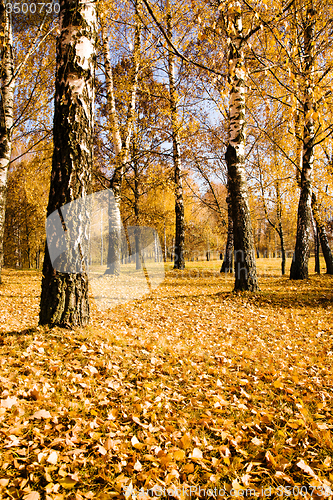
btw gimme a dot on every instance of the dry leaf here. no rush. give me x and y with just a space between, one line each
137 466
101 450
53 458
179 455
34 495
68 482
9 402
196 453
302 465
135 442
42 414
185 441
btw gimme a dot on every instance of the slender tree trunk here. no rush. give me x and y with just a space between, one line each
121 146
64 298
299 267
165 242
299 145
179 259
245 265
6 115
138 256
156 248
283 250
317 248
321 231
279 228
228 255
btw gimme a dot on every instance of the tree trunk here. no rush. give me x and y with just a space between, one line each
64 298
6 115
156 248
228 256
317 248
299 267
165 242
121 146
279 228
245 265
138 256
283 251
321 231
114 235
179 259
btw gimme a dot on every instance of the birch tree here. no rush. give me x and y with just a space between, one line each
228 254
245 265
322 234
121 141
9 75
6 113
64 297
299 266
179 260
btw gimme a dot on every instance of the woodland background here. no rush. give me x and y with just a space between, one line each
273 120
193 385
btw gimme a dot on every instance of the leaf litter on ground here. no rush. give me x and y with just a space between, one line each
191 386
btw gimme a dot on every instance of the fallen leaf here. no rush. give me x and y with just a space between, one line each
137 466
34 495
42 414
185 441
135 442
9 402
196 453
101 450
67 483
302 465
53 458
179 455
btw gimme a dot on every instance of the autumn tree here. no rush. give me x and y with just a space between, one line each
179 260
6 113
245 267
322 234
64 297
10 73
120 136
24 238
299 266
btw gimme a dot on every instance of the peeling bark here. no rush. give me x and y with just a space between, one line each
179 258
64 298
6 115
245 265
299 266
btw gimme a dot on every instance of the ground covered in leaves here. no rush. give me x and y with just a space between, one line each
192 392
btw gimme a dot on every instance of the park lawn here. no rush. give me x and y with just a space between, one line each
192 386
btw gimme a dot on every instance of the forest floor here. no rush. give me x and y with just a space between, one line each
191 392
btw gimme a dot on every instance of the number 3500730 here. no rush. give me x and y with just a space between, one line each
32 8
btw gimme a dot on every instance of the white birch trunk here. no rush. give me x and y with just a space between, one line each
6 116
179 260
121 144
64 298
245 265
299 266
